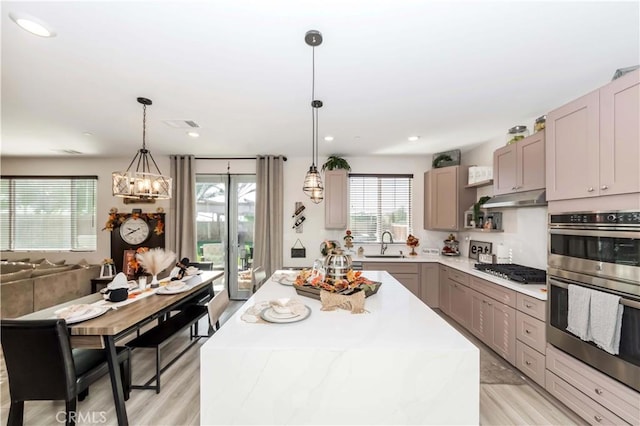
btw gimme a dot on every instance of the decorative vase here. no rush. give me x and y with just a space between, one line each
413 251
154 281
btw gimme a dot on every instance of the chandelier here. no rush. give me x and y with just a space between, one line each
313 181
144 182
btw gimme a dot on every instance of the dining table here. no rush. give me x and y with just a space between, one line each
102 332
396 362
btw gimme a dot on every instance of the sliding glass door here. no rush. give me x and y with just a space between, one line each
225 208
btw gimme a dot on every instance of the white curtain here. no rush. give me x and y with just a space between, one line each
269 213
182 218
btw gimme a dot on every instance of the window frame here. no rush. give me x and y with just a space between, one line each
380 204
9 222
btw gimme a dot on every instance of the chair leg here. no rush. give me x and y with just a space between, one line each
82 395
16 413
158 369
71 412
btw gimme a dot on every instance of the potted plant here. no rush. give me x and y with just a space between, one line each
476 208
334 162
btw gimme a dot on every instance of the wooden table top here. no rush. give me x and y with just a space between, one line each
117 321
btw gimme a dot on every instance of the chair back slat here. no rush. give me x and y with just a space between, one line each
217 305
259 276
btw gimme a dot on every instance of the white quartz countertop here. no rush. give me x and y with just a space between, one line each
398 363
465 265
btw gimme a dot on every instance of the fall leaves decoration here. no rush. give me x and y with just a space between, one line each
115 219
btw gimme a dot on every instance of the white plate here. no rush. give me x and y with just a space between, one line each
165 290
286 279
191 272
269 315
93 312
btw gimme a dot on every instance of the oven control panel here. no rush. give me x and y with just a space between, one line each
612 218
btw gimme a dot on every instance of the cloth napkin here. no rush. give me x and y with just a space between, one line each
119 281
293 306
606 321
579 311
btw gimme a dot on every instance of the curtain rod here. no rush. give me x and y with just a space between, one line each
236 158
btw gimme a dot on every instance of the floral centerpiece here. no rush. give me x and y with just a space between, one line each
353 282
413 242
155 261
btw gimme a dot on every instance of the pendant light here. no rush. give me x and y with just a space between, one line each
313 181
143 183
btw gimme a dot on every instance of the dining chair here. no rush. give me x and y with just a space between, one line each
259 276
41 365
216 307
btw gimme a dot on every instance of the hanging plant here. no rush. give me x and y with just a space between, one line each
477 206
336 163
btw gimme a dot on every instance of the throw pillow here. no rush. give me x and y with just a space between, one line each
15 276
38 272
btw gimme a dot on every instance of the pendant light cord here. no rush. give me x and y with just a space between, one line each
313 109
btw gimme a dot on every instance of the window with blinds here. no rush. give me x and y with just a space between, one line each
48 213
379 203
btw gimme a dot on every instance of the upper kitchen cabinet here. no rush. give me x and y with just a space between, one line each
446 198
593 143
336 199
519 166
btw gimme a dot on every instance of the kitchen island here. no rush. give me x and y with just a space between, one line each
400 363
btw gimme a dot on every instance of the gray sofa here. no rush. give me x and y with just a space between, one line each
26 287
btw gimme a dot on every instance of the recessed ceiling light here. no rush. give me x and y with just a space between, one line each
31 24
328 138
193 134
413 138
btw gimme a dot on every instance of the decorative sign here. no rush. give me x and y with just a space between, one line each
477 247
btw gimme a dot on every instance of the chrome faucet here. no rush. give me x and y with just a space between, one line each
383 245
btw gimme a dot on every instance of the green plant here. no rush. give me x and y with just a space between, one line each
477 206
335 162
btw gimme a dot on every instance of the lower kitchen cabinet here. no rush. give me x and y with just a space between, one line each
481 317
459 303
407 273
494 323
594 396
443 297
430 284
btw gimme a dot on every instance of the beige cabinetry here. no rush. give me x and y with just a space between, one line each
520 166
446 198
594 396
593 143
336 208
444 297
407 273
430 284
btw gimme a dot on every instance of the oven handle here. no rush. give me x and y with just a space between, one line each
623 301
608 233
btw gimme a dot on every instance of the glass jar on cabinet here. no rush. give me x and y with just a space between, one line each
517 133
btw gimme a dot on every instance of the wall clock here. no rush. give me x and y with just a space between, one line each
134 231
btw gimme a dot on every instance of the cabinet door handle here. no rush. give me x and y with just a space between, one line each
590 189
604 187
489 303
599 391
528 362
514 188
597 418
528 305
526 330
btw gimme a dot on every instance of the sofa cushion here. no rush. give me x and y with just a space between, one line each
14 276
8 267
38 272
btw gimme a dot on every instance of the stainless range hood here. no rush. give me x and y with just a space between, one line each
534 198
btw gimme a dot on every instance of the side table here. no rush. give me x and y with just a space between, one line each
102 281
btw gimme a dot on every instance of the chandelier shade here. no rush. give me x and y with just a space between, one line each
312 185
146 181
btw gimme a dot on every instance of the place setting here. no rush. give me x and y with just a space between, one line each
77 313
278 311
285 278
173 287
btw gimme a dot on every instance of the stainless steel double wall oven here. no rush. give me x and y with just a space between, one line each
600 251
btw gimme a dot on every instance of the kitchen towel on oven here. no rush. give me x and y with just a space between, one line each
579 311
606 321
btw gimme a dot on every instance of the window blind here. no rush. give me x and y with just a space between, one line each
379 203
48 213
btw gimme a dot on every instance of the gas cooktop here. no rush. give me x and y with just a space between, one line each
513 272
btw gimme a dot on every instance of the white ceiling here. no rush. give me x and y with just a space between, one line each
454 73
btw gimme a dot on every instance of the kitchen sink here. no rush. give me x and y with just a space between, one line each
388 256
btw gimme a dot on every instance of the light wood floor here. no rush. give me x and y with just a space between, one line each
179 401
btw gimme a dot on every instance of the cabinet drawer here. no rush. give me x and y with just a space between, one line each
501 294
530 362
579 403
618 398
531 306
391 267
458 276
531 331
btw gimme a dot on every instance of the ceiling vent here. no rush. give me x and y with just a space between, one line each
182 124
